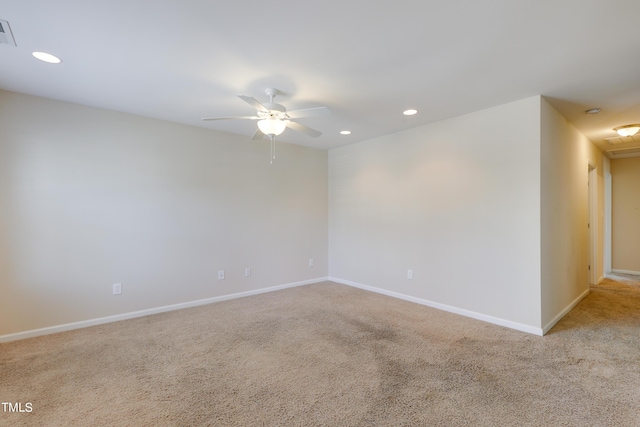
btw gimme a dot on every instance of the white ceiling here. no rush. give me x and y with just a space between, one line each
181 60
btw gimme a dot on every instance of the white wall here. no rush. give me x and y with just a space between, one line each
457 201
625 221
565 158
91 197
487 209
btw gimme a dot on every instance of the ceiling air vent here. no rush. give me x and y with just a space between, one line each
623 152
620 139
5 34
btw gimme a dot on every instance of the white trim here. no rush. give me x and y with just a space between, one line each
593 223
607 218
564 312
633 273
467 313
132 315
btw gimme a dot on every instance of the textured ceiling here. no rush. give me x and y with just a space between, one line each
365 60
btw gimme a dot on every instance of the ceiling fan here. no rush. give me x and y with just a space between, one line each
274 118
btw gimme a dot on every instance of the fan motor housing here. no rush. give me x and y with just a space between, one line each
275 110
275 107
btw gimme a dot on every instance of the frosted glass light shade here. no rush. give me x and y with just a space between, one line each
272 126
628 130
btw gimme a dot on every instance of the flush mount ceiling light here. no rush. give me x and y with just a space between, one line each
345 132
410 112
592 111
47 57
627 130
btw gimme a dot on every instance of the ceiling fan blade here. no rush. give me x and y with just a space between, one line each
302 128
231 118
254 103
309 112
257 134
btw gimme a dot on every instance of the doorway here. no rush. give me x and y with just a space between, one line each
593 223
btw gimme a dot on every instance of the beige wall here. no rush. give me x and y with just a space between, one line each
565 158
457 201
625 222
91 197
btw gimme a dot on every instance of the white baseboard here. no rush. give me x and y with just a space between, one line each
132 315
633 273
467 313
563 313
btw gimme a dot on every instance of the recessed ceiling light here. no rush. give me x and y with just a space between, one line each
410 112
47 57
593 111
345 132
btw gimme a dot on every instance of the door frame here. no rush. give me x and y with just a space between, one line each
593 223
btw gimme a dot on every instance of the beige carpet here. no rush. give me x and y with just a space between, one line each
331 355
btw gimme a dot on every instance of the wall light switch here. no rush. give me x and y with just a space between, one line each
117 288
410 274
247 272
310 262
220 274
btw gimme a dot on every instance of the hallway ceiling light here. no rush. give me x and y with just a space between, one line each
627 130
410 112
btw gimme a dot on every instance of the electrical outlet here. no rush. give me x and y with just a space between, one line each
310 262
117 288
220 274
247 272
410 274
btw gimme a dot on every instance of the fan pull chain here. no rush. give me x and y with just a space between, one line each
273 148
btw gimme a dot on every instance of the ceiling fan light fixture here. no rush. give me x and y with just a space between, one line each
627 130
272 126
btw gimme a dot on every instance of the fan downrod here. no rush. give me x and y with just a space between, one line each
271 93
